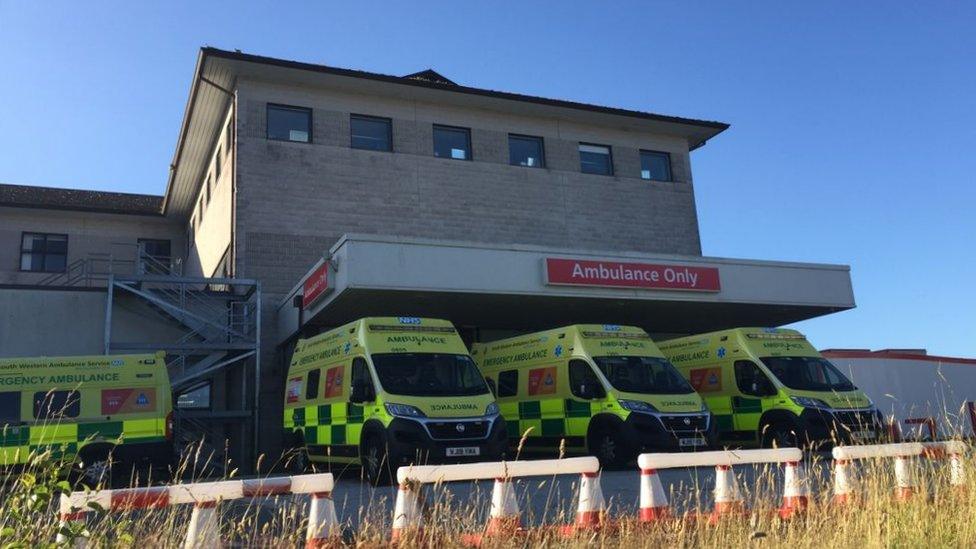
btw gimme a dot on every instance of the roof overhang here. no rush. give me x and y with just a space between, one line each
217 72
506 287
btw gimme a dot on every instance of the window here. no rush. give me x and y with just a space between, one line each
642 374
370 133
229 135
428 374
197 398
43 253
452 142
508 383
583 381
206 191
312 384
751 380
289 123
155 255
56 404
527 151
807 373
655 166
217 162
361 377
9 408
595 159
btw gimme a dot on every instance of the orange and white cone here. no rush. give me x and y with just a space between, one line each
591 504
906 487
322 520
203 530
796 490
407 511
504 516
845 483
728 499
957 472
654 504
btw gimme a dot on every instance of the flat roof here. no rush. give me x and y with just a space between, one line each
52 198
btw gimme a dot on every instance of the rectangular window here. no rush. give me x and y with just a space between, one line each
595 159
452 142
655 166
583 381
206 191
9 408
370 133
56 404
155 255
312 384
289 123
43 253
524 150
508 383
218 160
229 135
197 398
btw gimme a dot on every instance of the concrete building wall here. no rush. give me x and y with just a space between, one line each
210 226
88 233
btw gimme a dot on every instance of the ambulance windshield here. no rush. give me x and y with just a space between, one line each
642 374
808 373
428 374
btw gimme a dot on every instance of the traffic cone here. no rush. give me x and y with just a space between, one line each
728 500
407 511
504 516
845 483
322 520
203 530
654 504
957 472
590 509
906 486
796 491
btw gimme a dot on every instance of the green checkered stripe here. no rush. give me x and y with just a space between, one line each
64 439
553 417
327 424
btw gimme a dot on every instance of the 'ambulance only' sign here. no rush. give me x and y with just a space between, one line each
579 272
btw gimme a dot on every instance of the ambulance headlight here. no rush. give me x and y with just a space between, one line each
808 402
637 406
403 410
491 410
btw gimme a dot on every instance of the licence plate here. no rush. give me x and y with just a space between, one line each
686 442
862 435
464 451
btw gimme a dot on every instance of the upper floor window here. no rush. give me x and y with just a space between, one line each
655 165
44 253
217 162
524 150
452 142
229 135
595 159
206 190
289 123
371 133
155 255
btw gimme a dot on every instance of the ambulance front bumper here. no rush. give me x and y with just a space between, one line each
844 426
437 441
670 432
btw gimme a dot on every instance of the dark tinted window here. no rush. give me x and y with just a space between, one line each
642 374
44 253
218 160
582 377
751 380
368 132
197 398
808 373
595 159
655 165
508 383
312 384
452 143
56 404
360 374
290 123
428 374
155 255
526 151
9 408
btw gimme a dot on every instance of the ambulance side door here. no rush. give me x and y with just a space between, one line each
753 386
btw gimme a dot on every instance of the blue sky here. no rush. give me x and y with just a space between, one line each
852 132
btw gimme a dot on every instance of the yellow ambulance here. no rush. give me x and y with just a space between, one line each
770 387
103 412
386 392
605 390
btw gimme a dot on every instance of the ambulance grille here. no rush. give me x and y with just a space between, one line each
677 423
856 420
450 430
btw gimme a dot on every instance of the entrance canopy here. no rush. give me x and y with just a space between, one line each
530 287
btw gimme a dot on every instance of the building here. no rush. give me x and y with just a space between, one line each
315 195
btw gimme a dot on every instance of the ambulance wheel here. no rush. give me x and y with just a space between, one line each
376 461
297 461
779 435
607 445
95 468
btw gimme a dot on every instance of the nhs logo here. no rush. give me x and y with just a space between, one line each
611 327
408 320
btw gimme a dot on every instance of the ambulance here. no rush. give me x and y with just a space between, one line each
105 413
770 387
386 392
604 390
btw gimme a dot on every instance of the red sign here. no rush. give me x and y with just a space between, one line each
579 272
542 381
706 380
333 382
128 401
316 285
